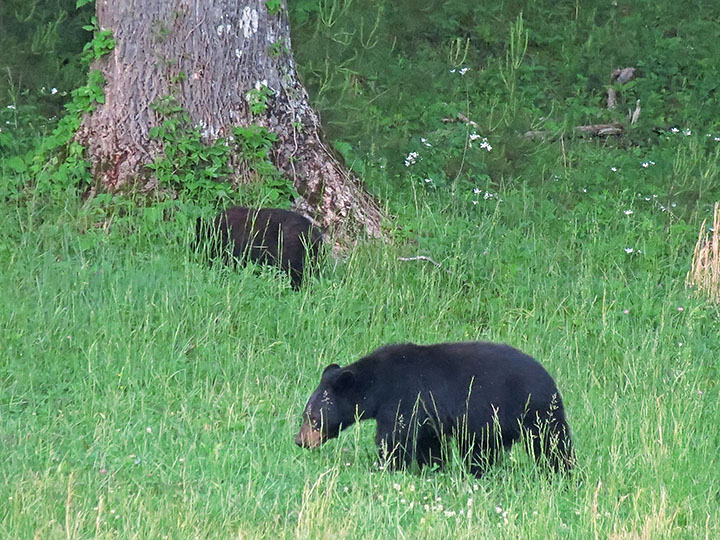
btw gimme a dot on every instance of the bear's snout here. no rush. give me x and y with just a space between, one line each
308 438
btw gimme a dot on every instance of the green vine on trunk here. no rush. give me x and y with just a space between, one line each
203 170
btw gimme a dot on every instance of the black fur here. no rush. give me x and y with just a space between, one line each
486 396
266 236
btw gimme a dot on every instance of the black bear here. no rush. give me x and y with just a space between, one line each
266 236
485 395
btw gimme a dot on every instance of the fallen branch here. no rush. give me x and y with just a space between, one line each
601 130
593 130
460 118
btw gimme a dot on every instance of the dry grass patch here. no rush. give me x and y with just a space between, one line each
705 271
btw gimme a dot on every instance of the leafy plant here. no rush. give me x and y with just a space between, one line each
187 163
58 163
202 170
257 98
273 6
253 145
101 43
452 158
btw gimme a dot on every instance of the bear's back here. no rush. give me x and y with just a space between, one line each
453 373
465 357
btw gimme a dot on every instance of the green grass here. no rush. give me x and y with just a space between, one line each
148 396
144 395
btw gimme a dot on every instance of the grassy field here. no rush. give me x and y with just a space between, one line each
145 395
148 396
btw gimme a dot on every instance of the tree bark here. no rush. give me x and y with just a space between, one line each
209 54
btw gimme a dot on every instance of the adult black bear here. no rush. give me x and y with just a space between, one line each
485 395
266 236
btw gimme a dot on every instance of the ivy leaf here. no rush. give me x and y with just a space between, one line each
17 164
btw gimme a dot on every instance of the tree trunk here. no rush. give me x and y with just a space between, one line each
209 54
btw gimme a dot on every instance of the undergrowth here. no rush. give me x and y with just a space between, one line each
148 395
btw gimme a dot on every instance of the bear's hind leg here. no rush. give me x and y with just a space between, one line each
549 442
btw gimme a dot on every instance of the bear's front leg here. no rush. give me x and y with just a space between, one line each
393 442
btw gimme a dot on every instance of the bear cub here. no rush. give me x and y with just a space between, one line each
486 396
269 236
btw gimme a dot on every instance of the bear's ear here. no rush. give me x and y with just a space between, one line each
329 371
344 381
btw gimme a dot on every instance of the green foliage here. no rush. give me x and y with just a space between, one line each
58 164
146 395
188 162
528 65
451 158
278 48
40 43
253 145
101 43
172 390
201 171
257 98
273 6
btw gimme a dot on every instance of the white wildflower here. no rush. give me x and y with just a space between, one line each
411 158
